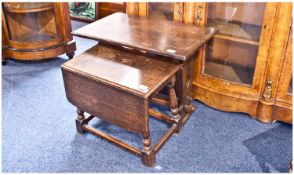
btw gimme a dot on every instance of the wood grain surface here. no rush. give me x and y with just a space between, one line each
131 71
162 37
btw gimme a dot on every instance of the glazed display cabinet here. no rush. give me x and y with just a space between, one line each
34 31
247 66
240 69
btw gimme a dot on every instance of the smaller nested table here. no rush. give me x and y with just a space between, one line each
117 85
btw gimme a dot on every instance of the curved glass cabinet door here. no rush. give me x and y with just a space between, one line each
232 53
30 22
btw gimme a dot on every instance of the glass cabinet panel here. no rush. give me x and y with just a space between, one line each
161 10
231 54
30 22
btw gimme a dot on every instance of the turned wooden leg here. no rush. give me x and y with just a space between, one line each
70 55
79 121
173 101
148 154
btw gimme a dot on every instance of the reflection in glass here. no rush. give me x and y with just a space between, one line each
231 54
30 22
161 10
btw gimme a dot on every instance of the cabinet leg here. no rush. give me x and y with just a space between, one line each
148 154
70 55
79 121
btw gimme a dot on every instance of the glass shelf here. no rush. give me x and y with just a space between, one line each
238 32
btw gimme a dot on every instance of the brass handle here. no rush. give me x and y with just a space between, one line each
267 93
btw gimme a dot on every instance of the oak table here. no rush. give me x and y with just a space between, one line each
171 40
117 85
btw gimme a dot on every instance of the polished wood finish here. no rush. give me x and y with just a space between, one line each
269 67
141 9
179 11
160 100
276 103
27 7
174 40
4 46
189 12
160 116
108 8
185 77
173 101
48 36
132 72
233 96
136 9
237 97
134 80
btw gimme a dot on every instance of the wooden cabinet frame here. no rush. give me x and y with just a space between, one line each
211 90
279 106
141 9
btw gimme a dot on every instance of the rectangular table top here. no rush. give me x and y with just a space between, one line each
162 37
122 68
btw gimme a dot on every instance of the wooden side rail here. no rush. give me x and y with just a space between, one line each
160 116
124 145
165 137
111 139
160 101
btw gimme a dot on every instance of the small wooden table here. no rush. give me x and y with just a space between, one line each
117 85
169 39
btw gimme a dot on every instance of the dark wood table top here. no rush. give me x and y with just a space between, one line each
122 68
162 37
